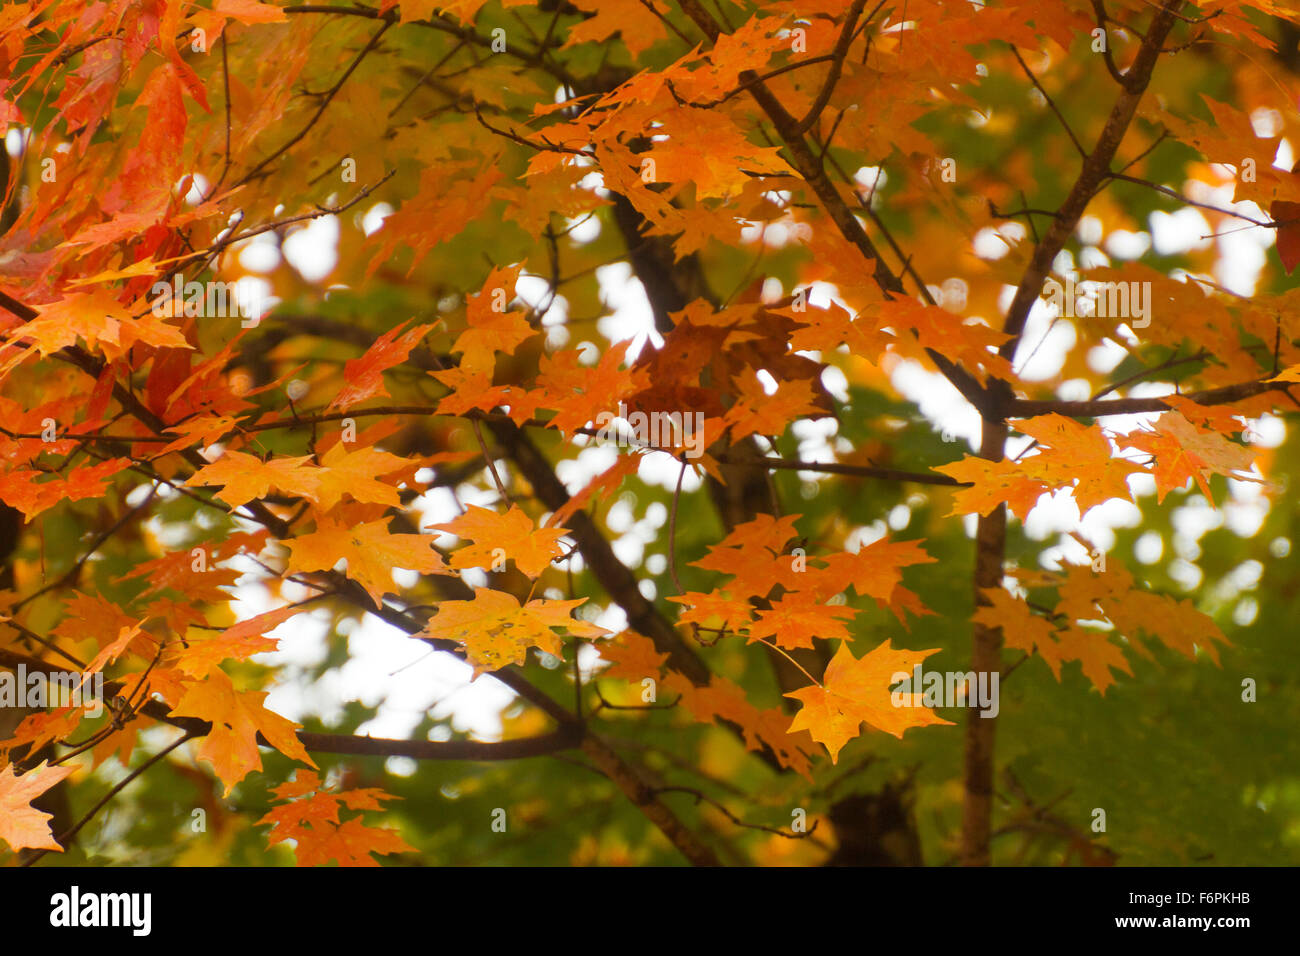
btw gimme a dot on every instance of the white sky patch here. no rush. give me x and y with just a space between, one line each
1045 344
1103 358
261 253
1123 244
313 249
374 217
938 401
1179 232
1149 548
631 316
199 186
583 230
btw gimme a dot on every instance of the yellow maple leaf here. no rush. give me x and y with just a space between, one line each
370 550
496 631
499 536
237 717
857 690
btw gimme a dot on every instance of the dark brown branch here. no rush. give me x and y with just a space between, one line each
1027 408
837 64
1100 9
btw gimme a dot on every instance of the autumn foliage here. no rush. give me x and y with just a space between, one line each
689 373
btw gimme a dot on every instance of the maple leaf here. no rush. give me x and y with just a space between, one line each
756 412
313 823
1095 653
21 825
1183 451
244 478
238 642
632 656
764 531
874 571
1078 454
32 493
795 620
940 331
993 483
1179 625
184 573
856 691
496 631
237 717
499 536
713 609
365 375
472 389
356 474
1021 628
93 616
754 575
824 329
491 327
578 393
763 729
42 728
371 551
639 25
98 319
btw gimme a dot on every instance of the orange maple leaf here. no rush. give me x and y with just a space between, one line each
857 690
244 477
356 474
365 375
993 483
491 327
1077 453
237 717
499 536
312 822
795 620
372 552
633 656
756 412
1022 629
1095 653
198 658
1183 451
874 571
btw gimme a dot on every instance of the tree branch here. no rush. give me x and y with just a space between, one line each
1027 408
814 174
990 536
